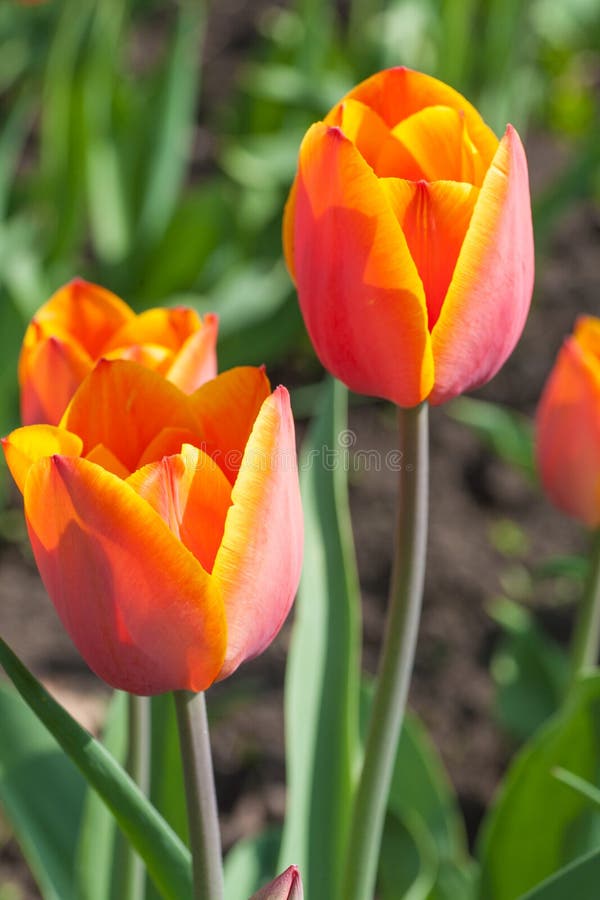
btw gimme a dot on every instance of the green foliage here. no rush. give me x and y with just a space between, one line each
538 824
322 689
166 858
529 669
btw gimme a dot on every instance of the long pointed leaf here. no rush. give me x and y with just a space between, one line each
322 681
166 858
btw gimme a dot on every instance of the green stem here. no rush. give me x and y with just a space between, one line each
586 638
396 660
138 766
203 817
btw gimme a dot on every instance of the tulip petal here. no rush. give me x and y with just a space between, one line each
168 442
124 406
395 94
488 299
192 495
432 144
86 312
196 362
434 218
101 456
151 356
358 286
167 327
49 375
287 230
25 446
226 408
568 435
259 562
142 611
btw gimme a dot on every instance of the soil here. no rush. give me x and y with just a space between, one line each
471 490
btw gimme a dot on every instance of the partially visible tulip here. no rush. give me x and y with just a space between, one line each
568 426
408 234
287 886
82 323
167 527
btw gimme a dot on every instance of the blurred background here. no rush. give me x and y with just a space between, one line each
149 145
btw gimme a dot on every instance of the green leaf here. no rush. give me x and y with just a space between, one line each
408 862
41 794
583 787
537 824
95 860
529 669
507 433
322 688
173 123
250 864
579 881
166 858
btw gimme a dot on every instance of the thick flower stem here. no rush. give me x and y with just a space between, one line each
586 638
203 817
396 660
138 766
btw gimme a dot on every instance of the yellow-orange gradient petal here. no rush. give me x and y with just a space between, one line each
568 433
260 557
140 608
434 218
191 493
151 356
288 225
49 375
102 456
395 94
196 362
587 335
488 299
359 290
25 446
87 312
436 141
168 442
167 327
124 406
227 408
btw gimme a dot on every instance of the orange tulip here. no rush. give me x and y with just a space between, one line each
568 426
288 886
167 527
408 234
82 323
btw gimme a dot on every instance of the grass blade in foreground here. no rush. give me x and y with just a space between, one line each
166 858
579 880
322 680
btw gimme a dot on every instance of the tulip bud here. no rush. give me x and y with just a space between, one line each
568 426
408 234
288 886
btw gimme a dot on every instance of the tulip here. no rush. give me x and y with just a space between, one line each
167 527
568 426
408 234
82 323
287 886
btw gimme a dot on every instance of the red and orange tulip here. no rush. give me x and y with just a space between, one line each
408 234
167 527
568 426
82 323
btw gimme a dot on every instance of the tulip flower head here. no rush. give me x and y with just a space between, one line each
288 886
82 323
167 527
408 234
568 426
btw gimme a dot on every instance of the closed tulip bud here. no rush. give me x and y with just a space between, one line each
408 234
82 323
287 886
568 426
167 527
